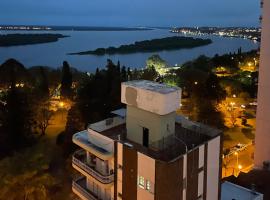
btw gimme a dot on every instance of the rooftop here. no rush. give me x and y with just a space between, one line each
187 134
231 191
107 123
257 179
152 86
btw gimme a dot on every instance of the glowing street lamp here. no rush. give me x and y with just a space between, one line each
240 167
61 104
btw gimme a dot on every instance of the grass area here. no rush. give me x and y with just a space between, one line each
42 172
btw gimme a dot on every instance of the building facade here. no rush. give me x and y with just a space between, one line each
147 152
262 139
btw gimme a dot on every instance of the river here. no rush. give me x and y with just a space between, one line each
53 54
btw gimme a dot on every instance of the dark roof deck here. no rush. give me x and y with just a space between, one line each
168 148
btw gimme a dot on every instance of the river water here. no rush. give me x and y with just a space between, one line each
53 54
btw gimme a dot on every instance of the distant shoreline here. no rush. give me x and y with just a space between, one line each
8 40
168 43
69 28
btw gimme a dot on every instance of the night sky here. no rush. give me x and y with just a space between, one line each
131 12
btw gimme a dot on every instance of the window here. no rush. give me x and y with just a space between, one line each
119 194
120 166
141 182
148 185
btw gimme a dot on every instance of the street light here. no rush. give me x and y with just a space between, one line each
237 160
61 104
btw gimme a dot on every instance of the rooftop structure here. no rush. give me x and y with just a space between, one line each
146 151
231 191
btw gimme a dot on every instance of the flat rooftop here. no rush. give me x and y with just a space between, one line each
167 149
257 179
152 86
232 191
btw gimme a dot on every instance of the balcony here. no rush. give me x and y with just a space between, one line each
93 145
79 188
79 161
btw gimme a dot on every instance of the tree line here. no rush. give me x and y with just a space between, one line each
25 103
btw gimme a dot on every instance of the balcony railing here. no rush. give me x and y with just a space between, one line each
79 186
79 159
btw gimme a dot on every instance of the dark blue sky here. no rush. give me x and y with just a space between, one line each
131 12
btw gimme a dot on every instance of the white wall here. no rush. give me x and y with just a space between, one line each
152 101
101 140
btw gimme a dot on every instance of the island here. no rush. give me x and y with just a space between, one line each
8 40
168 43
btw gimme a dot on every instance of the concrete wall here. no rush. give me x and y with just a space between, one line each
157 124
262 139
151 101
101 140
146 169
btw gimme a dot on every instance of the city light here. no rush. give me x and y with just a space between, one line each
61 104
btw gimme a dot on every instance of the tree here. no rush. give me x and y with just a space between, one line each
13 71
74 124
66 83
18 121
150 74
43 117
42 88
124 75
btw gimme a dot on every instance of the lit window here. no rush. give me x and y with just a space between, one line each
141 181
148 185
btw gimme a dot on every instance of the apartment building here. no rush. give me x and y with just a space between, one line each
147 151
262 139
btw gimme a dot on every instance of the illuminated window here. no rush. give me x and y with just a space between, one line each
141 182
148 185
